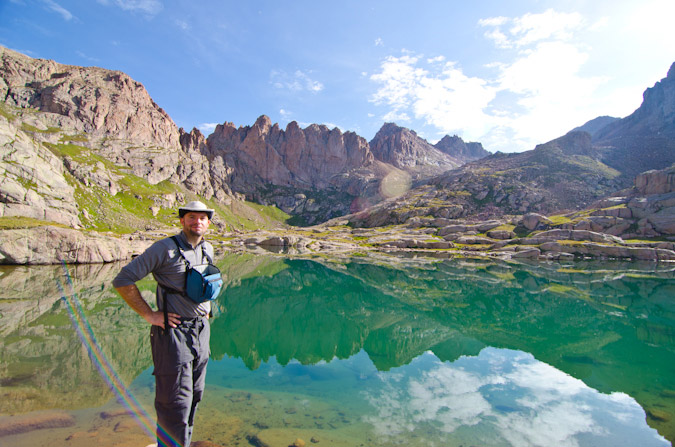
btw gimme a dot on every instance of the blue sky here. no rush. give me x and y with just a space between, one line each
510 74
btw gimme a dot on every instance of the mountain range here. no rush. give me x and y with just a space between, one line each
78 140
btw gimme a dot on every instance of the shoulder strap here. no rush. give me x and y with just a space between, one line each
180 250
182 255
187 266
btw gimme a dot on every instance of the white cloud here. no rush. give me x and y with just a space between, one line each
51 4
88 58
295 82
550 90
531 28
182 24
444 98
493 21
379 42
537 92
207 128
285 114
149 7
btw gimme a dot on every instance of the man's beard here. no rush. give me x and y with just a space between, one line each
190 232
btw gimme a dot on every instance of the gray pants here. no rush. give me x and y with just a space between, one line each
180 356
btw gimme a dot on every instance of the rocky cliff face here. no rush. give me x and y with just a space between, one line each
33 180
455 147
114 111
302 158
404 149
314 173
108 112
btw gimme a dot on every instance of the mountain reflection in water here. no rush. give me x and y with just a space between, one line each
449 352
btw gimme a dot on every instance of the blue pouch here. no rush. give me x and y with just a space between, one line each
203 281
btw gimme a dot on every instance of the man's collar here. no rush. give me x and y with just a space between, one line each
185 242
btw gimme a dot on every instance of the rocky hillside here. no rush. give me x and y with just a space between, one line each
88 148
555 176
101 110
596 124
302 158
568 173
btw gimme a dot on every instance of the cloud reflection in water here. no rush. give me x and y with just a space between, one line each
503 397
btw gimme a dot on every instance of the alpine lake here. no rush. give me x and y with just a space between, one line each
376 350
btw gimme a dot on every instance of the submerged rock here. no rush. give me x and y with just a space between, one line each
24 424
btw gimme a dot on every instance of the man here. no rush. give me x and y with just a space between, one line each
180 351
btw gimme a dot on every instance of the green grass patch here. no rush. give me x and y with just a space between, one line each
504 227
271 212
570 242
29 128
71 150
79 138
19 222
6 112
558 220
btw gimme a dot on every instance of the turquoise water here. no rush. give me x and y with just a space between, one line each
372 351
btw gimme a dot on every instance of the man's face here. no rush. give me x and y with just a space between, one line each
195 223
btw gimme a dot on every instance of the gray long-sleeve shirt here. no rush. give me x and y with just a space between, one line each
163 260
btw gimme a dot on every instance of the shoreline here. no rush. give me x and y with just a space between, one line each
49 245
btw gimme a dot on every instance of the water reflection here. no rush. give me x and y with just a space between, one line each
440 350
504 397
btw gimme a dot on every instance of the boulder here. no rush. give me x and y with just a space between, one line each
530 253
473 240
663 221
575 235
453 229
533 221
488 225
15 425
656 182
501 234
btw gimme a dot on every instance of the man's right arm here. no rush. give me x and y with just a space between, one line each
137 269
135 300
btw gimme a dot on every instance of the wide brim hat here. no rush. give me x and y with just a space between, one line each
195 206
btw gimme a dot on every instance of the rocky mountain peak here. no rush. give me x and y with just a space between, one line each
573 143
295 157
263 124
595 125
404 149
457 148
194 141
